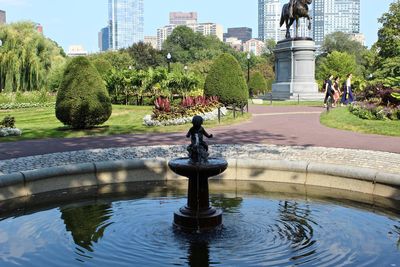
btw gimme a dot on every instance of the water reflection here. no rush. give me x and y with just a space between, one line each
229 205
295 220
199 254
87 223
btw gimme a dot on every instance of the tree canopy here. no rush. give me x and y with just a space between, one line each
26 57
388 44
187 46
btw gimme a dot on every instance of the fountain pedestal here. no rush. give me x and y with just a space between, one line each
198 214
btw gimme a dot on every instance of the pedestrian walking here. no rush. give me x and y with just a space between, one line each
348 96
336 88
328 89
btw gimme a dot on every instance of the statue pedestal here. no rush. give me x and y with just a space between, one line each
295 70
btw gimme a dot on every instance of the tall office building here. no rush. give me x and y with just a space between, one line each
104 39
182 18
335 15
241 33
269 15
126 22
3 17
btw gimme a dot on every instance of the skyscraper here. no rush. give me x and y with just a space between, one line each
269 15
126 22
2 17
335 15
104 39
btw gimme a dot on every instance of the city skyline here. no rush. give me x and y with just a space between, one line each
90 16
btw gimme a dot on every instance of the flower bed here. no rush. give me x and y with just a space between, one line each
164 114
208 116
378 103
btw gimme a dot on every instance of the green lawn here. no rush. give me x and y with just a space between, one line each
341 118
38 123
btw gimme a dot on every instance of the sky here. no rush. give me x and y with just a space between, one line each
72 22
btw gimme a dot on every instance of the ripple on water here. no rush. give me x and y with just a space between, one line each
255 232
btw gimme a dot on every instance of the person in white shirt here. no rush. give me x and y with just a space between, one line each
348 96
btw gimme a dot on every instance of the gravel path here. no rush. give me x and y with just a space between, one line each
383 161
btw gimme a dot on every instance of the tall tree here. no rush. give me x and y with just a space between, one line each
26 57
337 64
388 43
145 56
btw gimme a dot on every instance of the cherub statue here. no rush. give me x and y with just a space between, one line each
198 149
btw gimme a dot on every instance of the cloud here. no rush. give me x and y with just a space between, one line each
14 2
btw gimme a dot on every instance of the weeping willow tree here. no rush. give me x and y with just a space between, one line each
26 57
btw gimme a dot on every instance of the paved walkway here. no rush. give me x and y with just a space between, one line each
289 125
290 132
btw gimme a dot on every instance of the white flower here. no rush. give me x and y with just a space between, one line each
10 132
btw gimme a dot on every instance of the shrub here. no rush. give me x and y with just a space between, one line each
226 80
257 83
8 122
82 100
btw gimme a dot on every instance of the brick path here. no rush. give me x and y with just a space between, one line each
287 126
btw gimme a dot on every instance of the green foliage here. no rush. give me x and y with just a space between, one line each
102 65
145 56
388 72
8 122
342 42
257 84
26 57
118 59
82 100
337 64
388 43
35 97
226 80
187 46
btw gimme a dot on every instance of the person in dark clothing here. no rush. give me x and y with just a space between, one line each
329 91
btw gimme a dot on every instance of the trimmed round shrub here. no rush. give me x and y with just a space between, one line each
226 80
257 83
82 99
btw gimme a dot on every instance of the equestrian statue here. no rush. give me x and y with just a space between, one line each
292 11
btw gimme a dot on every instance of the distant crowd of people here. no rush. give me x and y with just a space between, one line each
332 89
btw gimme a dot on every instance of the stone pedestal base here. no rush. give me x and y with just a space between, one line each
295 70
190 219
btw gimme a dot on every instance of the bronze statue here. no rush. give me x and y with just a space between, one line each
292 11
198 149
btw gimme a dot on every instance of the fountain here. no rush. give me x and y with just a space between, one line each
198 168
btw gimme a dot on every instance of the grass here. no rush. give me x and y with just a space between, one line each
341 118
39 123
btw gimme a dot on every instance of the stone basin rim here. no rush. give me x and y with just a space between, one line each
26 183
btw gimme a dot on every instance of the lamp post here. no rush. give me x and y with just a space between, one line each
185 69
248 67
169 62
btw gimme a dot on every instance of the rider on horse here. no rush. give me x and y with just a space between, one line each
291 5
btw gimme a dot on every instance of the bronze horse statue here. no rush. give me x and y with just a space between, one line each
299 10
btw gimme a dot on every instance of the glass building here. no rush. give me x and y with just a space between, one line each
126 23
269 15
335 15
